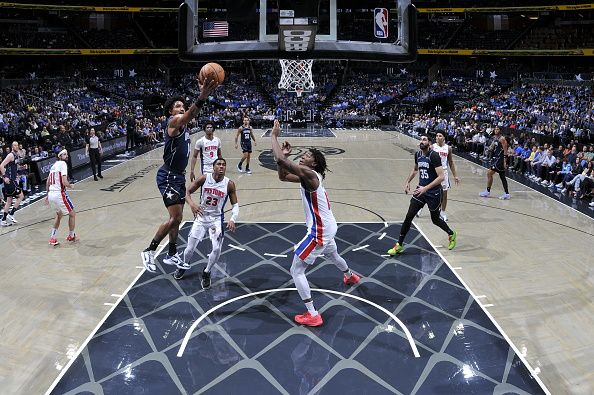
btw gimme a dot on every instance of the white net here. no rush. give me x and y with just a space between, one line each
296 76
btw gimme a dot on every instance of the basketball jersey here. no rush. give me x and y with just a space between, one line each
246 135
213 198
209 149
497 150
443 154
177 150
12 168
58 169
320 221
426 165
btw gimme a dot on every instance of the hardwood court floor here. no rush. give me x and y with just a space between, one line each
530 257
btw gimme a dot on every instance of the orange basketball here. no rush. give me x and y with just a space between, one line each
212 70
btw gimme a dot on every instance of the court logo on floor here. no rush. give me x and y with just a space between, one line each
267 160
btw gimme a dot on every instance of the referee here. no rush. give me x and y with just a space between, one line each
94 151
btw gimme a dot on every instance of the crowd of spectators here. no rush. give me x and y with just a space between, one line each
49 115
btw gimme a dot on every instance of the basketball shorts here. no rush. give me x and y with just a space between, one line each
445 184
308 249
497 165
172 186
207 168
60 202
431 198
11 190
213 228
246 147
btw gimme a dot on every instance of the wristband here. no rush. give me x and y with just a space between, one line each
235 212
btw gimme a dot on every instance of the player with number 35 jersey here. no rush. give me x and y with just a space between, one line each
428 191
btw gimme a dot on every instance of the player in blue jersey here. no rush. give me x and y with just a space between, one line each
499 164
245 134
428 165
171 178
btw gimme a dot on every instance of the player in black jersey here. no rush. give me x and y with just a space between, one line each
428 165
246 134
11 190
498 164
171 177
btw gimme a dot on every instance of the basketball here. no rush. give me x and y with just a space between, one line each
212 70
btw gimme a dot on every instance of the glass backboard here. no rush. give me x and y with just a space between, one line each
374 30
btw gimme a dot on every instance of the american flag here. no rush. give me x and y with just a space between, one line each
215 29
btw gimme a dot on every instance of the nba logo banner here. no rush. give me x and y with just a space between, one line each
380 22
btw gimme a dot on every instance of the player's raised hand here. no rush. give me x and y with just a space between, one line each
286 147
275 129
207 88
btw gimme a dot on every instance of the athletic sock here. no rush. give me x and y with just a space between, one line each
348 273
4 214
310 307
53 233
172 249
153 246
71 233
12 210
489 189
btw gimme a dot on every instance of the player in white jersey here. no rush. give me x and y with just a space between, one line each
209 148
447 163
209 216
321 224
58 199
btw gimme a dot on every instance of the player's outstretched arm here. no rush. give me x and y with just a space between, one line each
231 191
183 119
452 166
193 161
252 135
287 170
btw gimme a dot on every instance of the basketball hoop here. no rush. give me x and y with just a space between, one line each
296 76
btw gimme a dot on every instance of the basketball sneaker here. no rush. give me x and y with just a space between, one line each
239 169
11 219
485 194
452 239
178 274
309 320
53 241
148 261
205 281
173 260
248 171
71 238
4 223
397 249
177 261
505 196
353 279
